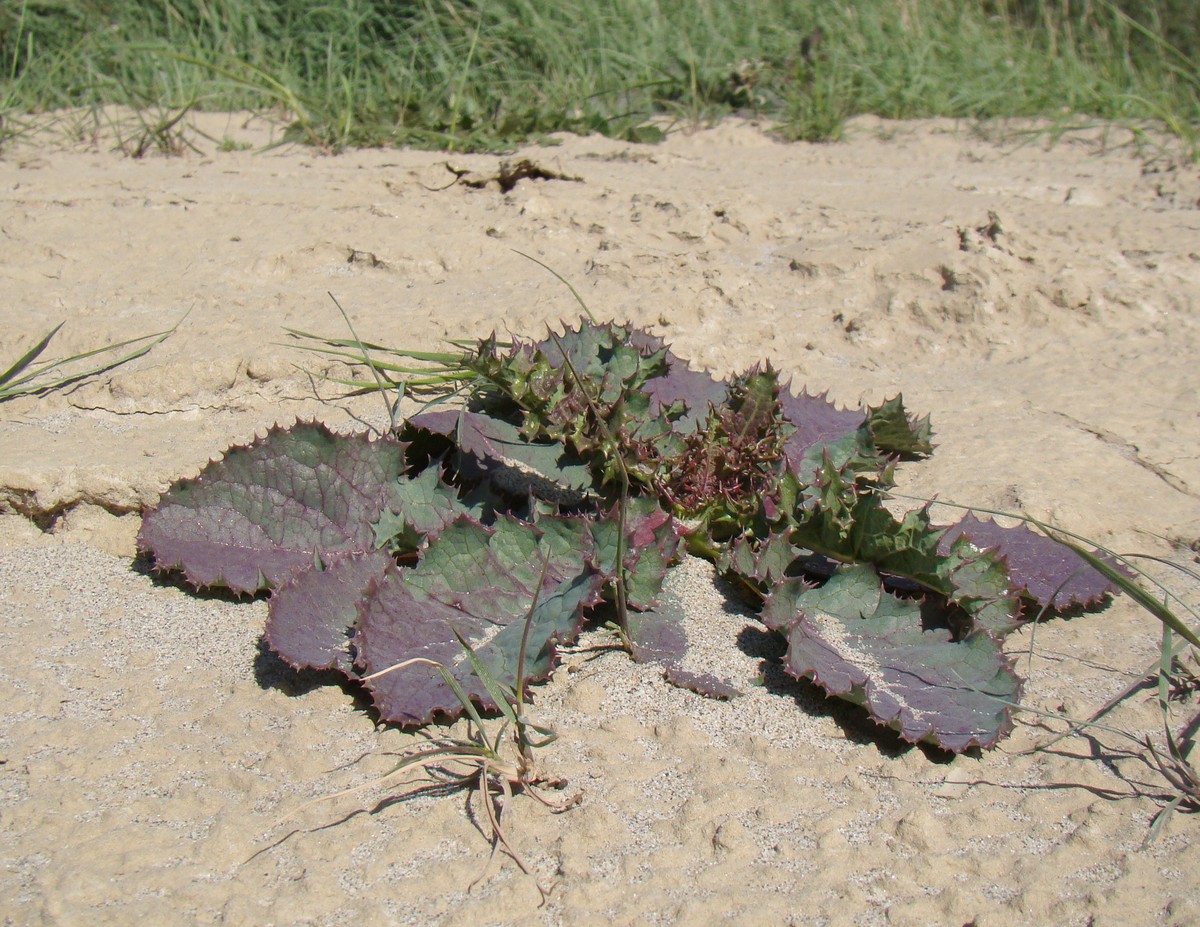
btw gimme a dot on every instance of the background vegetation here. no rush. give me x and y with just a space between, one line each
478 74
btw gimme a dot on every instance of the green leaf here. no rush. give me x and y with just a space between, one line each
651 544
492 449
420 508
903 547
588 388
981 586
479 584
25 378
895 433
764 562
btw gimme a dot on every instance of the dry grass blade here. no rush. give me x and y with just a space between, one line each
477 761
1173 766
1176 770
1173 763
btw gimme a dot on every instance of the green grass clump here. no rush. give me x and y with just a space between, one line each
472 75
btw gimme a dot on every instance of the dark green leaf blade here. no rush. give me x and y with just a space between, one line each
421 508
651 544
28 357
894 432
20 380
760 562
499 453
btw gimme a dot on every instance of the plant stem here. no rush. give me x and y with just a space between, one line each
621 588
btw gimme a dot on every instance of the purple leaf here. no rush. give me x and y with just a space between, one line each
858 642
1048 572
817 422
265 510
696 389
481 583
660 636
313 612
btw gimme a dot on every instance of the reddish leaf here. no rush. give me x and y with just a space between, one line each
267 509
1044 570
313 612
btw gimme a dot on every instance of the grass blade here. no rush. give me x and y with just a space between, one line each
1126 585
433 357
391 407
28 357
498 691
33 382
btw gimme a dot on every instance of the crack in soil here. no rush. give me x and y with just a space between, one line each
219 407
1132 452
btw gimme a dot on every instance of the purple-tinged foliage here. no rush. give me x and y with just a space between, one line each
560 486
660 636
724 468
422 507
586 389
312 614
494 450
652 545
696 390
864 440
979 584
1049 573
260 514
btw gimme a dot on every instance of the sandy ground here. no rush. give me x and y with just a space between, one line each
1042 303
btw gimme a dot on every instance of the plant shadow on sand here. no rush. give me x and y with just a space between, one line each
272 672
856 725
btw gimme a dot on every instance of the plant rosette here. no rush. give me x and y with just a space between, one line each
563 489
